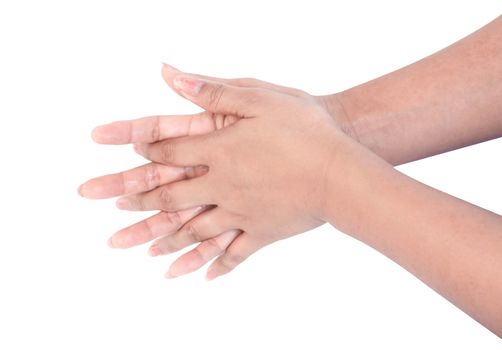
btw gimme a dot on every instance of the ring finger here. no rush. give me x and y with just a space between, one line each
158 225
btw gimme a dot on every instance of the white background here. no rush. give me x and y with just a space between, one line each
67 66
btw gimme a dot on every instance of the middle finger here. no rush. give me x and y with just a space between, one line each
171 197
140 179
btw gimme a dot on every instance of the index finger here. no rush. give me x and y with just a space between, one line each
153 128
140 179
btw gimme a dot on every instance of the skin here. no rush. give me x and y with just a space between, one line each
334 171
446 101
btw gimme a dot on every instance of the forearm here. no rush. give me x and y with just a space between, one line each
451 245
448 100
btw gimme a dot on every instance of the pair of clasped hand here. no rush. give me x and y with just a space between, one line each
251 169
264 162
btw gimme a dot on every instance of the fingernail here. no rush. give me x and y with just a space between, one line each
187 85
123 203
110 242
154 250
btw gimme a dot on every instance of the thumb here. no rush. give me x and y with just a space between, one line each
169 73
219 97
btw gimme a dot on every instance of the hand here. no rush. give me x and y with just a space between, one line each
153 175
244 181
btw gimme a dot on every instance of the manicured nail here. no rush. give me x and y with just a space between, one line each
188 85
123 203
154 250
110 242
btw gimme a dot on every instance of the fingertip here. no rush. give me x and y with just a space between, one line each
211 274
123 204
154 251
89 190
97 134
210 278
110 242
81 190
109 134
168 72
94 134
101 135
168 68
169 275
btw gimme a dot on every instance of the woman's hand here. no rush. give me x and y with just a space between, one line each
266 171
153 175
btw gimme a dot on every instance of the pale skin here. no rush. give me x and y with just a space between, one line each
215 177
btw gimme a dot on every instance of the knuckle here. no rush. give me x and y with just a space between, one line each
152 176
150 229
201 170
230 260
165 198
255 96
189 172
200 254
213 243
193 233
173 220
167 152
137 203
167 246
215 96
155 132
242 220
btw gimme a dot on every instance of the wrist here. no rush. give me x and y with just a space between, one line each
372 124
356 184
333 103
